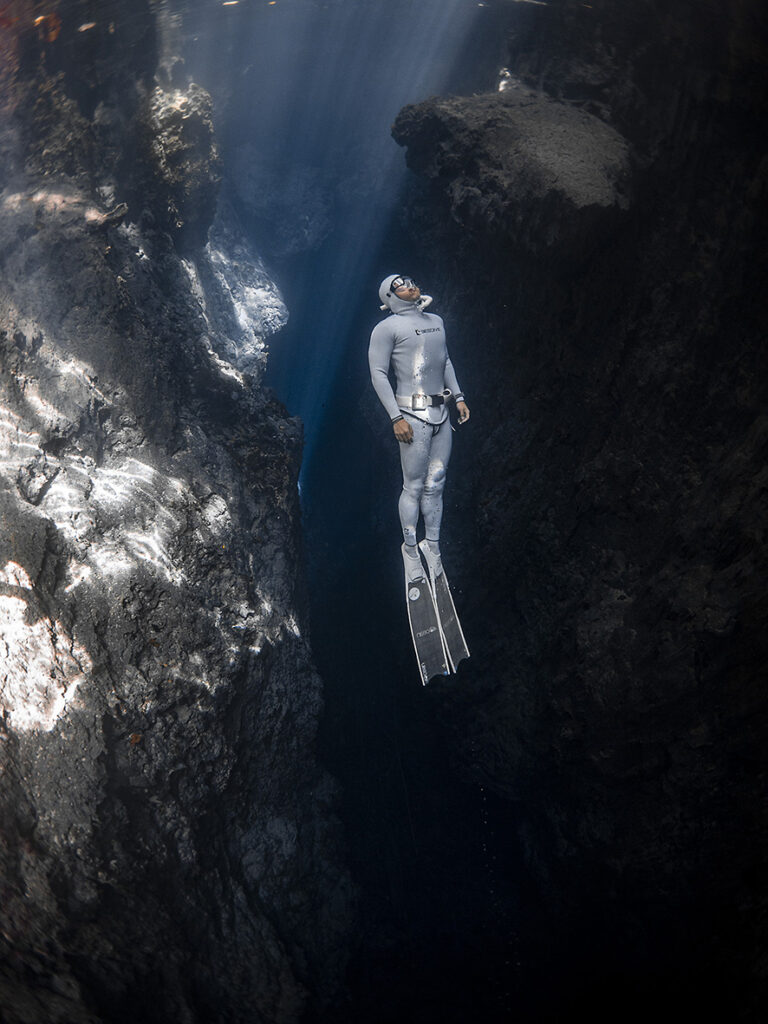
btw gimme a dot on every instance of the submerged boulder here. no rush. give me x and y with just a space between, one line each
520 165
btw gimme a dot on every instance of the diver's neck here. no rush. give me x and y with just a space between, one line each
418 306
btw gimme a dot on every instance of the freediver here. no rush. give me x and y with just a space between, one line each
412 343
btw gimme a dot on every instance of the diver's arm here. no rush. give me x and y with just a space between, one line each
449 377
452 383
379 355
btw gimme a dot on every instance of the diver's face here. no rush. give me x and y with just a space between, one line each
405 288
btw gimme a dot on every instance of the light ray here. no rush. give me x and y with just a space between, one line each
310 136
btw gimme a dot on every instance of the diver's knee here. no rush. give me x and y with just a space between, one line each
436 484
413 491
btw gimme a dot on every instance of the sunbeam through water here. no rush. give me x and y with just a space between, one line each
312 169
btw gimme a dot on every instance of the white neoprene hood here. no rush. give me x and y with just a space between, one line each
391 301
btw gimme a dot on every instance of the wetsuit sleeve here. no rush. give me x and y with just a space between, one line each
379 355
450 379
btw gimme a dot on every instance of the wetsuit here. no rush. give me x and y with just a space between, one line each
413 343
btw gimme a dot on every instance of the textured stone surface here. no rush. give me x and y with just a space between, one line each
616 696
182 161
531 168
242 306
167 847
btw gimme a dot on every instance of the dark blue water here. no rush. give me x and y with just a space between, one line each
310 166
319 177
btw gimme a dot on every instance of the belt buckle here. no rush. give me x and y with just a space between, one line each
419 402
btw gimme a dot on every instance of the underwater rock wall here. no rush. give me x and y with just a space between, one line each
612 349
167 841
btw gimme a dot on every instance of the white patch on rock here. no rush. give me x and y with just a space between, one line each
41 666
216 514
241 304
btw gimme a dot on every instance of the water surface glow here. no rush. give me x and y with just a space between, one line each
310 95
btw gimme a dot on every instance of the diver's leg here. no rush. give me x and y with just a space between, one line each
431 502
414 459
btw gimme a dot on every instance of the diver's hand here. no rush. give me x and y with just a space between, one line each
463 410
403 431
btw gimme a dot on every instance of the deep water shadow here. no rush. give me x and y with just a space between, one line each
433 854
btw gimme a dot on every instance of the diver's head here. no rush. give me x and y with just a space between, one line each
398 292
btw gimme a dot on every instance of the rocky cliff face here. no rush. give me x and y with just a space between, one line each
166 842
596 230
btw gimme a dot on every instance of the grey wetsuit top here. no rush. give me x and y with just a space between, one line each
413 343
